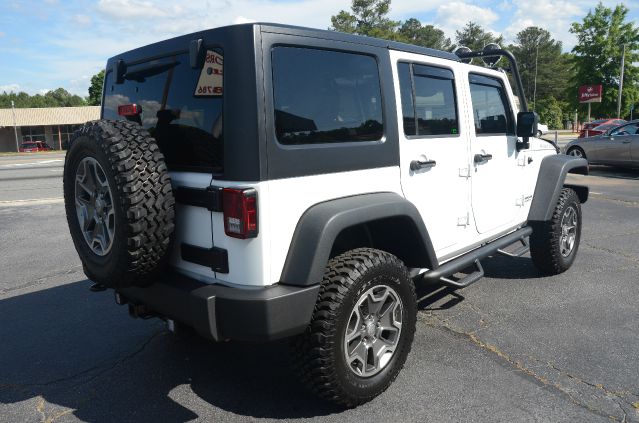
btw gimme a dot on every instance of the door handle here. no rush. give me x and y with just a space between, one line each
419 164
483 158
625 142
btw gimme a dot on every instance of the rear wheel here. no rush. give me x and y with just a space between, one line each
362 328
539 134
118 202
554 244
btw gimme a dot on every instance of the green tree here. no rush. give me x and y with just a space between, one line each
95 89
412 31
55 98
368 17
538 53
597 57
475 37
550 112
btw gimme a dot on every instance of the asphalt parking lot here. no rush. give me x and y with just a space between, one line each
514 347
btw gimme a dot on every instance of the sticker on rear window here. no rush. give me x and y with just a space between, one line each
210 83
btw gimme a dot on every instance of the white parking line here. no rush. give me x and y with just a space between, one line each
31 163
31 202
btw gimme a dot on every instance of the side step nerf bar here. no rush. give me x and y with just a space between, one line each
442 273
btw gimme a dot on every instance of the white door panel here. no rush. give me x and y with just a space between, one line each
434 163
497 194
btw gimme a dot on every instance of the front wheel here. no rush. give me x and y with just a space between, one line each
554 244
362 328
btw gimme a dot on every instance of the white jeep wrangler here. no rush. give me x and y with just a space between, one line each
261 181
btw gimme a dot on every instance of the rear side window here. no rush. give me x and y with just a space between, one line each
429 105
181 108
323 96
491 110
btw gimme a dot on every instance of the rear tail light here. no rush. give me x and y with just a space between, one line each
240 212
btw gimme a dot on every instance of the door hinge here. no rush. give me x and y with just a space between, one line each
521 161
520 201
464 172
463 221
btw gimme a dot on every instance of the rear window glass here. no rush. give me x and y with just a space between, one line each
181 107
323 96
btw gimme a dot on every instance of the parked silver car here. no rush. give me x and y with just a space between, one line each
619 146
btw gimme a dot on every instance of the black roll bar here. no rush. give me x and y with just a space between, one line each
513 67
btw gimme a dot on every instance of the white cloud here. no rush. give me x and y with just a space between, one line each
129 9
457 14
552 15
82 20
10 88
241 20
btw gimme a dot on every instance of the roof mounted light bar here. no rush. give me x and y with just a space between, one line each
498 52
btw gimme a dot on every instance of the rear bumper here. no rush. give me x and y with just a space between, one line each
220 312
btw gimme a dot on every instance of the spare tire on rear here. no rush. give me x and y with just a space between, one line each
119 203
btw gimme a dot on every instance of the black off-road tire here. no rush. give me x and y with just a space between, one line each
545 248
318 354
142 200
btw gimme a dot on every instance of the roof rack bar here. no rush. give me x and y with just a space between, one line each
513 66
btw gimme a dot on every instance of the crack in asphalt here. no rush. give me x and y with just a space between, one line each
610 251
73 269
617 200
613 396
104 368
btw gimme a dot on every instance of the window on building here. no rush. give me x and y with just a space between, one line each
33 133
63 133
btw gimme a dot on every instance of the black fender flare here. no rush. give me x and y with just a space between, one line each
550 181
321 223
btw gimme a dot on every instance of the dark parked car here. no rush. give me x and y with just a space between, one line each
34 146
591 129
618 146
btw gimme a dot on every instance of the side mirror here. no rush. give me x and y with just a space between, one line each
527 124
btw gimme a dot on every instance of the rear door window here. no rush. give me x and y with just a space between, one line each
429 104
181 107
323 96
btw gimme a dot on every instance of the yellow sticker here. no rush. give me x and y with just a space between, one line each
211 79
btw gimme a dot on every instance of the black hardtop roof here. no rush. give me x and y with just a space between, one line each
356 39
181 42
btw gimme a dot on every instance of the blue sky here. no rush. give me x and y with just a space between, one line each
46 44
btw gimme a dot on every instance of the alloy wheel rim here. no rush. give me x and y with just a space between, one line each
373 331
568 231
94 206
576 152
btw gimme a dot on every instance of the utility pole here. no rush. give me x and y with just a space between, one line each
623 57
535 85
15 126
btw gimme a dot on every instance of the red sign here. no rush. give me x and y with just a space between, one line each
590 93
